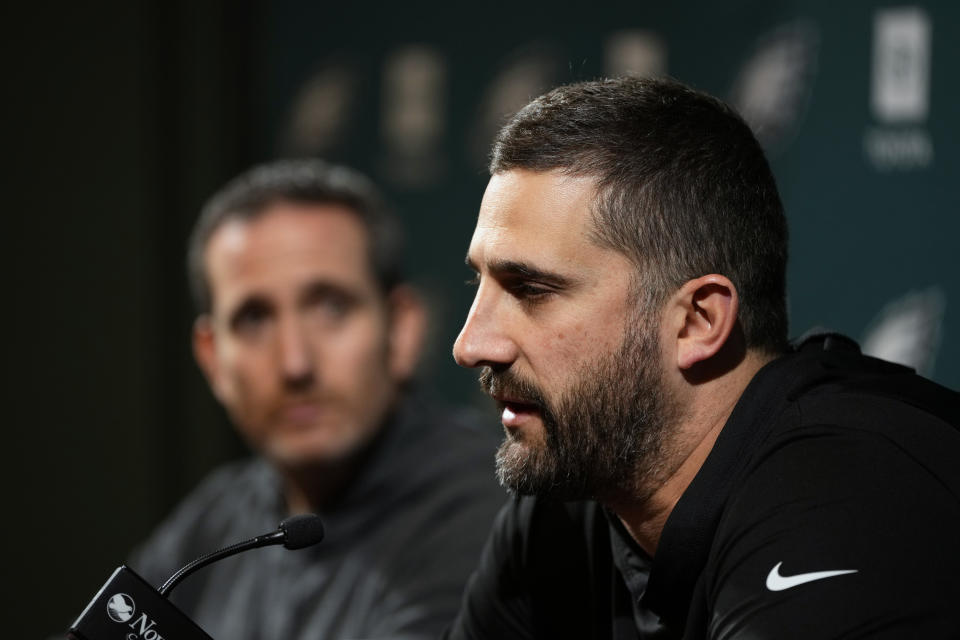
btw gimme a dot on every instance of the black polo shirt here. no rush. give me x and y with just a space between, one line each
828 507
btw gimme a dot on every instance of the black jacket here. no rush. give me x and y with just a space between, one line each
400 542
830 462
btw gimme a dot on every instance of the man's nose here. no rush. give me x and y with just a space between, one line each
484 339
296 357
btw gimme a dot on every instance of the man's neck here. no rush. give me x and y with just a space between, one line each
644 511
318 486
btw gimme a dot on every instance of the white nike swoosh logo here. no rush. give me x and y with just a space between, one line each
777 582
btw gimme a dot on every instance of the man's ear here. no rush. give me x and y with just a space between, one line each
205 351
705 312
408 324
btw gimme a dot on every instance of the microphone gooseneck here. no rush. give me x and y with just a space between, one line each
295 532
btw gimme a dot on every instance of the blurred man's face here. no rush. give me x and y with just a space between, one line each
574 366
297 346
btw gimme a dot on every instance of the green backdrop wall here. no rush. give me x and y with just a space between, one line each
855 102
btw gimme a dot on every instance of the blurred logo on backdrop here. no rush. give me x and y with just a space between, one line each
524 74
413 116
908 330
635 52
321 109
773 89
900 91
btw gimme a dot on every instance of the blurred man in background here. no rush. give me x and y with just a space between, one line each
630 322
309 336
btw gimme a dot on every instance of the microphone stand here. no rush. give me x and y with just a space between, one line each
253 543
127 607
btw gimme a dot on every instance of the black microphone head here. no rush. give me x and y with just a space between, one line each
301 531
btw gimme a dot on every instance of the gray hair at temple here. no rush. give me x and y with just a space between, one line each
300 181
684 188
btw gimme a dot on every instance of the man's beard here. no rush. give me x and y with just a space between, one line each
605 434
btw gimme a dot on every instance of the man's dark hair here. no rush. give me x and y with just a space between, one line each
299 181
683 187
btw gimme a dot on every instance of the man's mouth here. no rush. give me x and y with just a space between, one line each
517 400
302 413
514 413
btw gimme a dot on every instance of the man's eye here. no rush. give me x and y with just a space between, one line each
336 307
474 281
331 306
250 319
528 291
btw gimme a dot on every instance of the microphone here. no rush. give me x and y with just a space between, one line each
127 607
296 532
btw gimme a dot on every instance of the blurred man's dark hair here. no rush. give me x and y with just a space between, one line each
299 181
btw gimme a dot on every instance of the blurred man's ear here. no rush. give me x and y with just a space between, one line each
408 324
205 351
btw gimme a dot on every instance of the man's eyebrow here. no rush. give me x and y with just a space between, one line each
525 270
326 289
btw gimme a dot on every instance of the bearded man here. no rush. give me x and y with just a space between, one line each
680 469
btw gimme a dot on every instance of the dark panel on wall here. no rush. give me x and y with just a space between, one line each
124 118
